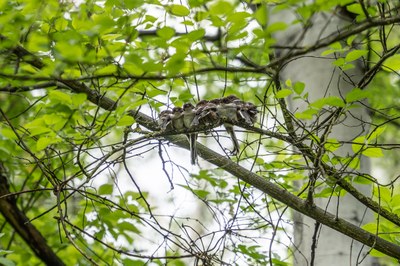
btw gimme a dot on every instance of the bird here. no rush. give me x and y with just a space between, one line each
188 117
177 118
227 111
243 112
247 111
199 112
252 111
209 116
164 119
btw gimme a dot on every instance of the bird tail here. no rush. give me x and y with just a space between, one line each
231 132
193 148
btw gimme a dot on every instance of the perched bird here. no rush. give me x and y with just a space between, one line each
252 111
227 111
206 115
243 112
198 112
216 101
188 117
231 98
164 119
209 116
177 118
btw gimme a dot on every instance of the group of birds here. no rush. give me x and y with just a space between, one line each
208 114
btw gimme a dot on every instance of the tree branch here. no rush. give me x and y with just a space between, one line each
18 220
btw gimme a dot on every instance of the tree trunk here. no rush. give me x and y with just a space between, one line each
314 244
21 224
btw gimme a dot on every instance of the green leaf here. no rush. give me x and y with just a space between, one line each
166 32
38 130
354 163
78 99
336 46
307 114
201 193
276 26
299 87
110 69
69 52
106 189
384 193
392 63
339 62
355 8
126 120
127 226
131 262
283 93
358 144
59 96
355 54
372 152
377 132
370 227
330 101
6 262
332 145
236 35
8 133
261 15
46 141
355 94
238 17
51 119
327 52
220 8
196 34
179 10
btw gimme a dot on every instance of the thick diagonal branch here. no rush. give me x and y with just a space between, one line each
18 220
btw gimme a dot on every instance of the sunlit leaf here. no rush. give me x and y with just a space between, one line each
8 133
166 32
179 10
261 15
299 87
221 7
277 26
392 63
332 145
376 132
355 54
106 70
126 121
106 189
307 114
46 141
355 94
328 101
283 93
372 152
60 96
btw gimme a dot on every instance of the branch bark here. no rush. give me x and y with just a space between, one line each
28 232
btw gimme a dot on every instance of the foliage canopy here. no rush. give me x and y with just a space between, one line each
82 82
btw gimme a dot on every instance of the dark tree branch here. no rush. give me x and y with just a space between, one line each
18 220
